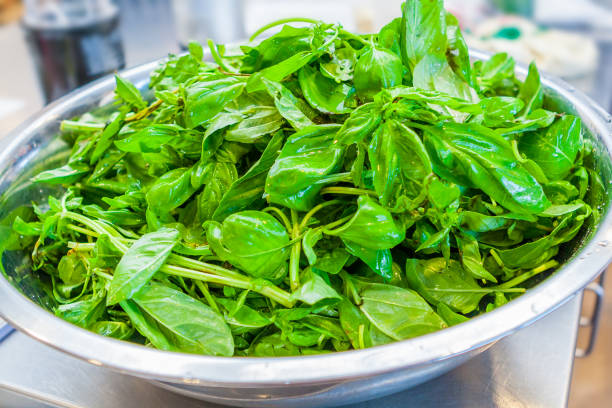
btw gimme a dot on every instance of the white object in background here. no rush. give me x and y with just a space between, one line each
573 12
200 20
261 12
565 54
9 106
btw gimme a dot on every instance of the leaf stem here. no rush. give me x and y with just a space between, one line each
209 299
296 250
529 274
72 125
314 210
348 191
269 290
216 56
280 22
352 36
145 112
282 216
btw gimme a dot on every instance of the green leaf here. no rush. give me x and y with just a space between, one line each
287 105
315 290
152 138
242 318
301 169
470 257
221 178
531 90
67 174
71 269
457 53
249 189
117 330
434 73
324 94
258 122
399 313
106 138
359 125
195 50
396 152
83 312
450 317
358 328
423 30
190 325
127 93
171 190
377 69
442 281
142 260
252 241
371 227
378 260
207 98
472 155
554 150
341 66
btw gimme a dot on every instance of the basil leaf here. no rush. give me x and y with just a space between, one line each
142 260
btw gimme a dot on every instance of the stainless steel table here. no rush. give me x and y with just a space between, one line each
531 368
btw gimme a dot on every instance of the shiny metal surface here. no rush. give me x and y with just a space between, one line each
515 372
403 363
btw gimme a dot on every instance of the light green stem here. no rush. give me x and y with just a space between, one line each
281 22
72 125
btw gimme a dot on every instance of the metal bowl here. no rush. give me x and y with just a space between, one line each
330 379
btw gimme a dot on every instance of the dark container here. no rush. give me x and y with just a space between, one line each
72 45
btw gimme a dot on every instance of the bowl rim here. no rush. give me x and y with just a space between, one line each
140 361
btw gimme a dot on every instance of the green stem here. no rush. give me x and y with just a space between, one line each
72 125
296 250
145 112
209 299
204 267
223 276
482 290
352 36
314 210
280 22
215 54
517 154
351 287
268 290
281 215
348 191
528 275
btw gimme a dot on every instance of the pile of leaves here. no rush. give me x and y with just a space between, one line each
317 191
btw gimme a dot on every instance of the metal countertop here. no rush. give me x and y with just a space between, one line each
531 368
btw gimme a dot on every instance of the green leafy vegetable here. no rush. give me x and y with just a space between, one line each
316 191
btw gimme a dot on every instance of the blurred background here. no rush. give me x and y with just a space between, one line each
49 47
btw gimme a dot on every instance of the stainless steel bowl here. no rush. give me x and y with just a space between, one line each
331 379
